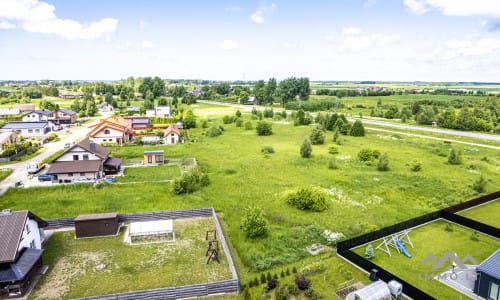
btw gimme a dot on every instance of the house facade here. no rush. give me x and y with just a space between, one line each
83 161
21 251
172 135
487 284
29 129
38 116
112 130
64 116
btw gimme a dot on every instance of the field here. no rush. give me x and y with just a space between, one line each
488 213
4 173
362 198
433 239
150 174
72 263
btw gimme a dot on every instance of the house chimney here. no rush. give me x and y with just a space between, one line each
92 147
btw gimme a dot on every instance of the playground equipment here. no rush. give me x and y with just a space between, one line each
397 241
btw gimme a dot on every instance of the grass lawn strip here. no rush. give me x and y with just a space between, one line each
487 213
433 239
149 173
72 263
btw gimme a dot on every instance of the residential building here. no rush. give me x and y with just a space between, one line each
105 107
4 112
162 111
25 107
7 138
84 161
21 237
139 123
29 129
38 116
172 135
487 284
64 116
112 130
195 92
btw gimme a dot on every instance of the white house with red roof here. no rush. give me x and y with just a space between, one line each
172 135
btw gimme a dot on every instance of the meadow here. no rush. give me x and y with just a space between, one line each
362 198
488 213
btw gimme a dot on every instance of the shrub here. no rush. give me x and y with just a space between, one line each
369 252
357 129
293 289
52 136
256 281
312 294
248 125
365 155
228 119
383 163
449 227
294 270
336 134
308 198
263 278
204 124
332 164
346 128
306 149
254 222
474 236
268 113
213 131
333 149
238 113
302 282
282 274
267 150
272 284
264 128
287 272
455 157
480 184
239 122
317 136
415 165
281 293
268 276
190 182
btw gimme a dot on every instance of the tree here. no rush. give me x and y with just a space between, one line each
270 90
357 129
455 157
317 136
480 184
108 98
369 252
188 119
254 222
383 163
306 149
259 91
264 128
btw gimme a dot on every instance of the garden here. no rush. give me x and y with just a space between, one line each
105 265
487 213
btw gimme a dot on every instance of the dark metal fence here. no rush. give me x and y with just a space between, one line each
473 224
473 202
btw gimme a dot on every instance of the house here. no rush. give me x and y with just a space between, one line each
4 112
139 123
64 116
29 129
7 138
84 161
153 157
112 130
21 237
25 107
172 135
38 116
105 107
487 284
162 111
150 113
195 92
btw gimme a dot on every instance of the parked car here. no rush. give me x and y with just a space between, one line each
67 145
44 177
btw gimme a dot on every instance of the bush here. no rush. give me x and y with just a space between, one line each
369 252
228 119
239 122
332 164
333 149
366 155
272 284
357 129
480 184
302 282
312 294
238 113
248 125
52 136
383 163
306 149
455 157
254 222
308 198
267 150
204 124
293 289
264 128
415 165
282 293
214 131
268 113
449 227
190 182
263 278
474 236
317 136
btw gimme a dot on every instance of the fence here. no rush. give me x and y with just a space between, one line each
11 158
196 290
343 247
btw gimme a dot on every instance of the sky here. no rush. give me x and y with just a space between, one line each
382 40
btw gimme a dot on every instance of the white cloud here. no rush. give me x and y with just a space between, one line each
40 17
147 44
369 3
354 41
143 24
480 8
229 45
474 46
6 25
264 10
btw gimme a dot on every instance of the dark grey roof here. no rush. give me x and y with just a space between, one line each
98 149
11 229
18 270
74 166
45 112
90 217
491 265
67 111
23 125
113 162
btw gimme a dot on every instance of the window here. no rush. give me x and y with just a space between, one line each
28 228
82 174
494 291
150 159
85 157
18 130
70 174
159 158
75 156
106 131
32 244
37 130
30 130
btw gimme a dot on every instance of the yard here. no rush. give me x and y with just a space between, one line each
488 213
150 173
433 238
72 263
4 173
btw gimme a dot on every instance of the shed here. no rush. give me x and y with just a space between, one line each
374 291
487 283
153 157
94 225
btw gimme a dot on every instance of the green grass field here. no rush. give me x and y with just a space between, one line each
4 173
72 263
488 213
433 239
148 174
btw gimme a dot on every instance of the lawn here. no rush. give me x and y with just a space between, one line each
4 173
433 239
487 213
150 173
72 263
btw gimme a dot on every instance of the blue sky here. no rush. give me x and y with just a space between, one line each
397 40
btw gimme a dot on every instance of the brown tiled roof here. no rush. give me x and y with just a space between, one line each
100 151
171 129
96 217
11 229
74 166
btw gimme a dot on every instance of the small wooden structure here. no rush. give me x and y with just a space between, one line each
94 225
153 157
